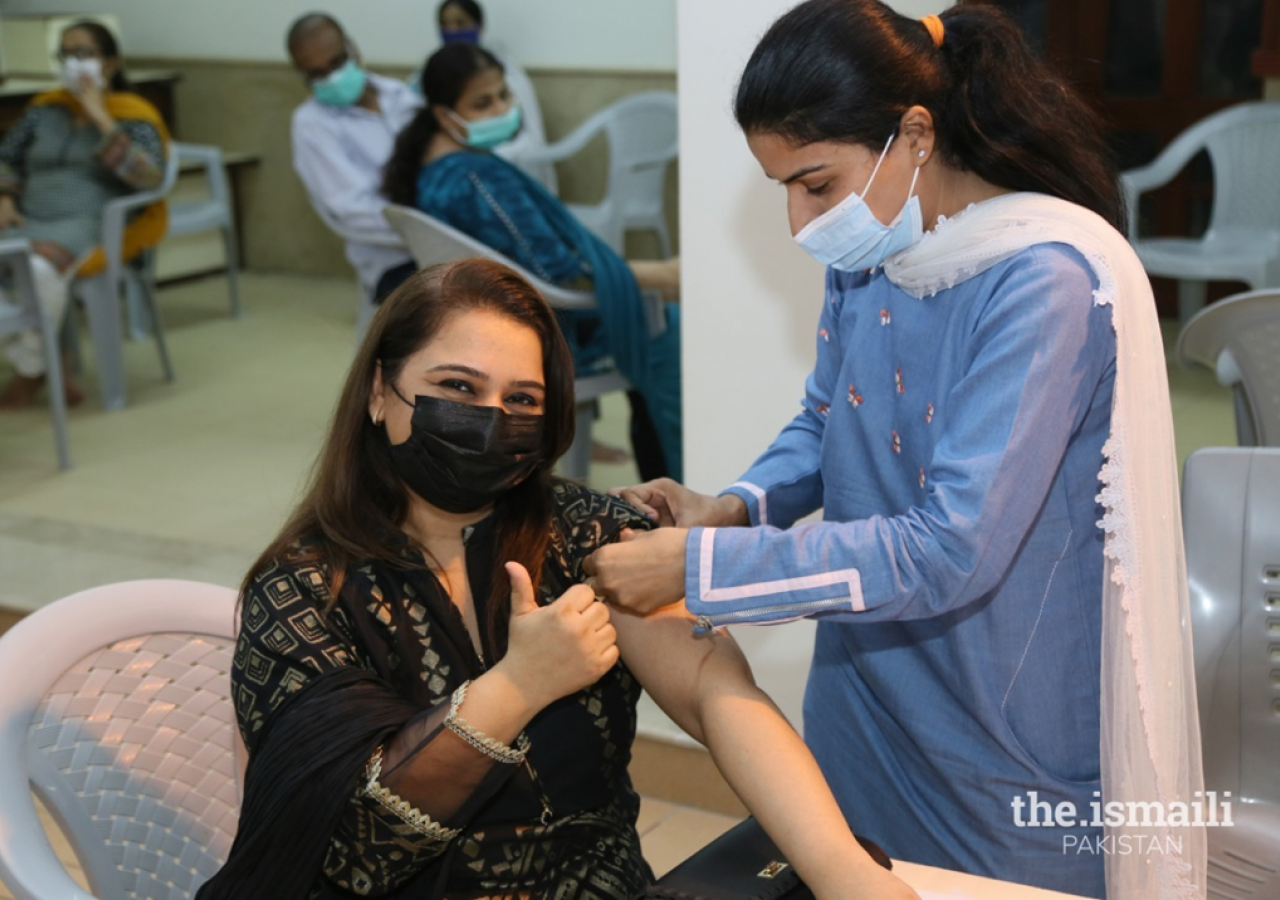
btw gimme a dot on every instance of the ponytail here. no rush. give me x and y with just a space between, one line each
400 175
847 71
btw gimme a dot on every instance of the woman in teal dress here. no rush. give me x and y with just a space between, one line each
442 166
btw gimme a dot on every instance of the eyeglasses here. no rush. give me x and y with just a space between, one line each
335 64
76 53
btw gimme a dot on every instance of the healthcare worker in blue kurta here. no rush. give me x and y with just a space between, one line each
997 574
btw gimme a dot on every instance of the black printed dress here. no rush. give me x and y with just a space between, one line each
317 696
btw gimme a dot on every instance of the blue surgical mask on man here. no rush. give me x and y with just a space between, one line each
850 238
460 35
343 86
485 134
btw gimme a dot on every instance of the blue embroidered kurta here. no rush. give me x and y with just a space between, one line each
953 444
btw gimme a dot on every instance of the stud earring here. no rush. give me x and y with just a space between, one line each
921 154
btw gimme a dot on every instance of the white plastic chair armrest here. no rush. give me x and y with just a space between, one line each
14 246
653 160
210 158
1145 178
114 219
374 238
115 212
568 146
1166 166
1227 370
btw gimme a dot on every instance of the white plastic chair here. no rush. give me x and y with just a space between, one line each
100 293
365 306
432 241
116 711
643 135
15 257
192 217
218 211
1242 242
1239 338
1231 516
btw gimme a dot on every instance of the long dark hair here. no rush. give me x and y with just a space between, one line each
108 46
443 81
356 501
847 70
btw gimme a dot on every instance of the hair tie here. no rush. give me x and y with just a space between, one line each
933 24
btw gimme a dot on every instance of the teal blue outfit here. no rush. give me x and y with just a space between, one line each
494 202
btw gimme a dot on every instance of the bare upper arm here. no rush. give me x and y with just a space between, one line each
679 669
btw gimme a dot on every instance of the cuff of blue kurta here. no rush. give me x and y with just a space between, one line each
755 498
731 579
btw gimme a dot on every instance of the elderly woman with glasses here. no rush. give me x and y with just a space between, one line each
73 151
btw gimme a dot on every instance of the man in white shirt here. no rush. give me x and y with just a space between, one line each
342 136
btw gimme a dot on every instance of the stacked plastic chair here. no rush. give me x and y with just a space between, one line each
1231 516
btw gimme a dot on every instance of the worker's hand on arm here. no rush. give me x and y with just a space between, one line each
670 503
644 571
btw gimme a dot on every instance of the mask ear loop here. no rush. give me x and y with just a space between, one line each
464 138
883 152
396 390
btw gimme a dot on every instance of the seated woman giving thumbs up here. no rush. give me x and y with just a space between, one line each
433 702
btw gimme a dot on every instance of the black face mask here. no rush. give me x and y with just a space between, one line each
461 458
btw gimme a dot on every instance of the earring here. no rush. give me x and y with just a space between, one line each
375 418
921 154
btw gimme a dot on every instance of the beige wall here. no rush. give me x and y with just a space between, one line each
246 106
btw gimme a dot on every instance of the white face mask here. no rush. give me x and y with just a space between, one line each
850 238
73 69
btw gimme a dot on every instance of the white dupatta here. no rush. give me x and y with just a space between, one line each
1150 738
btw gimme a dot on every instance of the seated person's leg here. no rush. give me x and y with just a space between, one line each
662 394
650 460
25 351
658 274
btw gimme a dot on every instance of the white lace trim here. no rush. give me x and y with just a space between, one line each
401 808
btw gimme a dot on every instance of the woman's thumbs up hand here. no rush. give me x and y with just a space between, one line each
557 649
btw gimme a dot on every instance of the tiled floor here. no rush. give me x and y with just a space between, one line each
192 479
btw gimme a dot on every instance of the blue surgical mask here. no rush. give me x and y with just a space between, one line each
850 238
341 87
460 35
485 134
